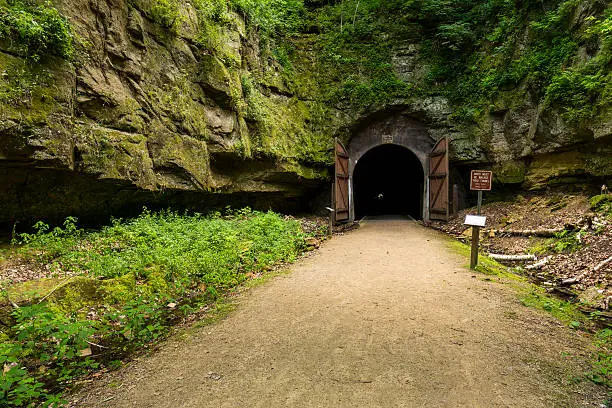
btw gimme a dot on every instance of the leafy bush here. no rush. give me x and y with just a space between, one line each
166 13
273 18
45 350
155 268
36 30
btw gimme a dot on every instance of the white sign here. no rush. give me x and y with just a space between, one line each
386 139
475 220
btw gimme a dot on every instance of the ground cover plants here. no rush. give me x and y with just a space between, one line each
122 287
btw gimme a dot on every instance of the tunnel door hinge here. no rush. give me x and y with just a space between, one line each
439 207
341 183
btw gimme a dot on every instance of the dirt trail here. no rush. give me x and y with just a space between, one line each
385 316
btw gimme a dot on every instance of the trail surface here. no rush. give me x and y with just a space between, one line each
386 316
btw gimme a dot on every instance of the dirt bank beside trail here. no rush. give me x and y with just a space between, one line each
386 316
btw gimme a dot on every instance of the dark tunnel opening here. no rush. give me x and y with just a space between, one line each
388 180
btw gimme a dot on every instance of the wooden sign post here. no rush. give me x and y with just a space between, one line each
480 180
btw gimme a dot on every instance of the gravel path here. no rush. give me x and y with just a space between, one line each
386 316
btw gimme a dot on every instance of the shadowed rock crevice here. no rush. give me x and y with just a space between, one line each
29 195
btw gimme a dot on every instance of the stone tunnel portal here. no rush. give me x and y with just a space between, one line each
388 179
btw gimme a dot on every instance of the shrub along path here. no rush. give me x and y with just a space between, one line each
384 316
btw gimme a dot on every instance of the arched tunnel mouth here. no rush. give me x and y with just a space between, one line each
388 180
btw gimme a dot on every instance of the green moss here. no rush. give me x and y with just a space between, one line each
566 312
510 172
27 291
218 31
215 74
305 172
183 111
191 155
219 311
30 93
75 295
602 366
166 13
66 295
113 154
287 128
118 290
485 265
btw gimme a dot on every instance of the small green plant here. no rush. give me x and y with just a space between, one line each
602 366
565 241
54 242
140 320
602 204
45 350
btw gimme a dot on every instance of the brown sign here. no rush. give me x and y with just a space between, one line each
481 180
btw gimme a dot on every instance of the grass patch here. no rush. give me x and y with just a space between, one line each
485 265
566 312
219 311
530 295
132 281
602 366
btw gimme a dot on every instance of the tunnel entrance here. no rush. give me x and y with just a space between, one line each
388 180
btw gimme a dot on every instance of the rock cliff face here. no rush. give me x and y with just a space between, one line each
188 111
151 114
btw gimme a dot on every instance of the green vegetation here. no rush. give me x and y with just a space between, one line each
472 52
529 45
602 204
570 240
273 18
602 368
166 13
355 45
529 294
566 312
564 241
35 29
486 265
127 284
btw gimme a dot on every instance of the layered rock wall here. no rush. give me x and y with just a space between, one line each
151 111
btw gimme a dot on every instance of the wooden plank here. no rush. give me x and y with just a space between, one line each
438 181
